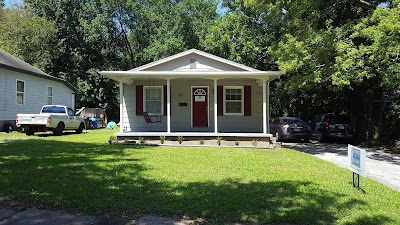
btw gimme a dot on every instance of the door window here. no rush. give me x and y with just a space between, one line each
71 112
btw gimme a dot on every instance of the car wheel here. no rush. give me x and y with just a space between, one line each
8 127
306 140
59 129
80 129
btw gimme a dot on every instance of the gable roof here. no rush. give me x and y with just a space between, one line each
11 62
194 51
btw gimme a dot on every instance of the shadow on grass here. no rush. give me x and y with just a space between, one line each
113 180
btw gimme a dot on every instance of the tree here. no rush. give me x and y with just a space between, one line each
26 36
117 35
310 41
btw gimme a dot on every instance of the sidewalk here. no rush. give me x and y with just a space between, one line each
380 166
50 217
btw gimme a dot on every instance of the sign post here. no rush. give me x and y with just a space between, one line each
356 158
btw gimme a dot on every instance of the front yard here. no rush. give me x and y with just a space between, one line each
82 173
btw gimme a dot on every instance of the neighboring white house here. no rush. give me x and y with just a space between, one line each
25 89
194 93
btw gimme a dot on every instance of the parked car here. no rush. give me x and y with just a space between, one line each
331 126
56 118
290 128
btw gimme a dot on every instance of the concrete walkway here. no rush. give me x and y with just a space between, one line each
380 166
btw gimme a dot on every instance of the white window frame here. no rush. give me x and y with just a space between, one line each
162 99
19 92
242 101
47 96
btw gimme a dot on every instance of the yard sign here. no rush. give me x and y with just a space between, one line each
356 158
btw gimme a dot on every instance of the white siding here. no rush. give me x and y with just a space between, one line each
202 64
181 115
3 91
35 93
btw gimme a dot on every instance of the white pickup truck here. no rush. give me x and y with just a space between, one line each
56 118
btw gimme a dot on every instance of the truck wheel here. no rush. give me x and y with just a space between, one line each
80 129
8 127
30 131
59 129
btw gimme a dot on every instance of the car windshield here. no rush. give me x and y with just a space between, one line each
53 109
292 121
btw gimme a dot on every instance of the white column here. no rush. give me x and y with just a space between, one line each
215 107
121 111
268 112
168 106
264 107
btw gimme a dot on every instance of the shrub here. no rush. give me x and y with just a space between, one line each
236 143
162 139
254 142
180 139
141 140
202 142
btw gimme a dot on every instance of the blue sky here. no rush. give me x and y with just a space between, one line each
8 3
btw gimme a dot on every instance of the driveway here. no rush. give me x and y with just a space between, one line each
380 166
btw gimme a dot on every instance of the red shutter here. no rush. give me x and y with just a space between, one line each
139 99
165 100
220 102
247 100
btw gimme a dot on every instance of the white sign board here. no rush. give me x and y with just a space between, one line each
356 158
199 98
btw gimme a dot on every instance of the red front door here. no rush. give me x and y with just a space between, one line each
200 106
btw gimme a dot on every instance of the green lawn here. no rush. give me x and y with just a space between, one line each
81 172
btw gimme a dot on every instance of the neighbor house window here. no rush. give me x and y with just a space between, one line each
20 92
49 95
153 100
233 100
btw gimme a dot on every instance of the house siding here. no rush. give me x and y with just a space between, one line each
181 116
35 95
202 64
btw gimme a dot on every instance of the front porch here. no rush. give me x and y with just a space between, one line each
194 136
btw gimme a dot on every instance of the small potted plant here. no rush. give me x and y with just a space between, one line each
112 139
180 139
162 139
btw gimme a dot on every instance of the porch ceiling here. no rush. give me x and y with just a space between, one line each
129 76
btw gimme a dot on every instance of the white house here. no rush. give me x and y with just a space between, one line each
25 89
194 93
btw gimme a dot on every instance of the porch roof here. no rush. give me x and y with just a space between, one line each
128 76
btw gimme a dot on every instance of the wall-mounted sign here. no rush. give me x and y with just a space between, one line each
356 158
199 98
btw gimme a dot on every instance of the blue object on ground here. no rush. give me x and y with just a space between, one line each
94 122
111 125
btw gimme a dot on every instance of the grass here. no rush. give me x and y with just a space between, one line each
82 173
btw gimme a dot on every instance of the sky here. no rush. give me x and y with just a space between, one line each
8 3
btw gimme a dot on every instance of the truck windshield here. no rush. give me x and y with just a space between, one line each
53 109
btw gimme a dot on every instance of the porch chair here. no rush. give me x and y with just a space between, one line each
148 118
